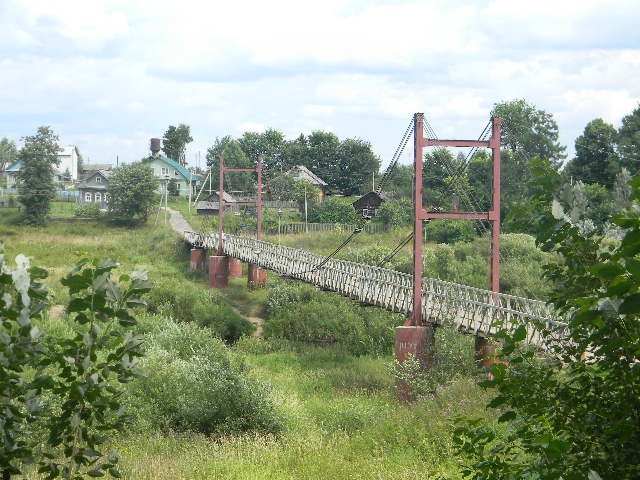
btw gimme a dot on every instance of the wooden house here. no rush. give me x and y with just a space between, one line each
211 206
368 204
94 188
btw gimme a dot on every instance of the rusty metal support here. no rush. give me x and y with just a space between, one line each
197 259
221 207
418 128
219 271
496 133
235 267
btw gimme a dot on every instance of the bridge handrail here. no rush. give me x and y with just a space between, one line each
443 299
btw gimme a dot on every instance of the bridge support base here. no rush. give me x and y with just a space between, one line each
197 259
485 353
235 267
418 342
218 271
257 277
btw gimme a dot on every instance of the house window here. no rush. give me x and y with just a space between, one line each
98 179
98 197
87 196
164 171
178 186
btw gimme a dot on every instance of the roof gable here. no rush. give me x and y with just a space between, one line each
186 174
312 176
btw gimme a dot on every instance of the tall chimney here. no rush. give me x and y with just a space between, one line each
156 146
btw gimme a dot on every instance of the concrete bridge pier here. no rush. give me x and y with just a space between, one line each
218 271
235 267
198 259
418 341
257 277
485 352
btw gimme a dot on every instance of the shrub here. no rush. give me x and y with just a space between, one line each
396 213
207 309
190 383
300 313
451 231
333 210
86 210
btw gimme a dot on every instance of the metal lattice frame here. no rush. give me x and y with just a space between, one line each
471 310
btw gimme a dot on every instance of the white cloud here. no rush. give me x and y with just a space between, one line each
112 73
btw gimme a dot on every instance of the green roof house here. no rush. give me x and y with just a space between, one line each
167 169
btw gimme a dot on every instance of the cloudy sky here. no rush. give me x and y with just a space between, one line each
109 74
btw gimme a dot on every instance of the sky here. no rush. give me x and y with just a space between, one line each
108 75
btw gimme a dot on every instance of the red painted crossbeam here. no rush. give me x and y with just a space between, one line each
239 169
429 142
458 215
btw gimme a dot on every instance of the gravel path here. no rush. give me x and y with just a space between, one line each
178 223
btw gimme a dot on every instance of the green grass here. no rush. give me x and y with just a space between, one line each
342 420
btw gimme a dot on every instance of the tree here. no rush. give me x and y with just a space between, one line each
529 131
174 142
356 164
269 145
576 413
296 152
333 210
172 188
132 192
400 183
35 179
230 149
629 141
65 387
323 157
8 153
596 160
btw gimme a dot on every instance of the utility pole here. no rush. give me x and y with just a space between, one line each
306 225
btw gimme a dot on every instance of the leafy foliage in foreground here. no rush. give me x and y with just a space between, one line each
79 372
576 414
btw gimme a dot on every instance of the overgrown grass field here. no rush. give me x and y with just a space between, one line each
337 415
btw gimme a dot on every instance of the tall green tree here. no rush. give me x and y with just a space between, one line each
356 163
296 152
324 157
132 192
629 141
596 160
529 131
36 188
269 145
175 141
8 153
242 183
574 414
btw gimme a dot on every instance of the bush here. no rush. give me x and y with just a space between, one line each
396 213
333 210
450 231
87 210
300 313
207 309
190 383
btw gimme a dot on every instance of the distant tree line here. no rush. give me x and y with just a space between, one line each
346 165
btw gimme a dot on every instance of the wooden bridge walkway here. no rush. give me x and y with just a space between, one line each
470 310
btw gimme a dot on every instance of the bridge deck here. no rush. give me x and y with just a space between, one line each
471 310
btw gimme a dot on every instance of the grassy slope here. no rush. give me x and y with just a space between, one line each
342 420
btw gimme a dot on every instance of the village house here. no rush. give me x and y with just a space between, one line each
94 188
166 170
67 170
300 172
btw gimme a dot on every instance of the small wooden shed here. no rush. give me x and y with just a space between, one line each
368 204
211 206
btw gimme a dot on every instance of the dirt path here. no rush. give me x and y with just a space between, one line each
180 225
178 222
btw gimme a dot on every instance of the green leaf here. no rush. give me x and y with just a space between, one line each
607 270
631 304
95 473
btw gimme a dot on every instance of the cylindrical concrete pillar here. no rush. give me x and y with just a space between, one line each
235 267
198 259
419 342
218 271
257 277
485 353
